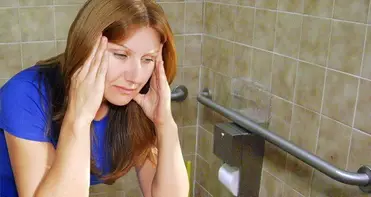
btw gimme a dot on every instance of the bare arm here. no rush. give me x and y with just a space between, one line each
170 176
41 171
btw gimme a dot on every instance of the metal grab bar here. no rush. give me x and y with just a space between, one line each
362 178
179 93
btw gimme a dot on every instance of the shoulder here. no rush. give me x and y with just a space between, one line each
22 112
23 85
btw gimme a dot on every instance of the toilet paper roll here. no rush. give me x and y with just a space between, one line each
230 177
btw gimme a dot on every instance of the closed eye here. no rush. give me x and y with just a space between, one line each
121 56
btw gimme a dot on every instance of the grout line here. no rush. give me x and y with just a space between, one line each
287 12
303 61
20 37
252 43
358 88
189 34
324 88
205 190
55 30
184 20
274 48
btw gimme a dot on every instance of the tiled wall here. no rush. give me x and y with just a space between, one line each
36 29
303 66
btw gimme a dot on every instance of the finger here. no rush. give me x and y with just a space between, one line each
77 72
159 56
103 68
139 99
98 57
161 72
85 68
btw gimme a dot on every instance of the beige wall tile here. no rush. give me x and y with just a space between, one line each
256 94
304 129
189 111
200 191
331 134
37 24
289 192
2 82
9 3
246 2
281 109
264 29
193 51
180 48
222 91
288 30
226 25
269 4
205 144
176 110
340 96
9 26
270 186
362 121
10 61
261 67
202 172
318 7
225 58
351 10
212 11
366 70
244 25
210 52
33 52
242 61
175 16
298 175
274 160
283 76
291 5
64 16
191 79
309 86
360 143
188 136
35 2
68 2
193 20
345 53
315 40
207 78
61 46
324 186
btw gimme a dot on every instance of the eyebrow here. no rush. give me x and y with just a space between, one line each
131 51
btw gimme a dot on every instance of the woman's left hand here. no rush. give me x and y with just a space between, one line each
156 104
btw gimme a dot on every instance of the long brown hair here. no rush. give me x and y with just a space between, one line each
130 136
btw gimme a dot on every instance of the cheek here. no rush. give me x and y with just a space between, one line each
114 70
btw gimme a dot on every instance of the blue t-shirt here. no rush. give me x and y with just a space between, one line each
21 115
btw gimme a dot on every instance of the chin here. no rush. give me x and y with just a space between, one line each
118 100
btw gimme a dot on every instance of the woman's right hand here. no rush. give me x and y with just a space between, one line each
88 83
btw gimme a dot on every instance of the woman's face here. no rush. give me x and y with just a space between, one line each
131 63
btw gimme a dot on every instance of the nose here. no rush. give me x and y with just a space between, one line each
132 73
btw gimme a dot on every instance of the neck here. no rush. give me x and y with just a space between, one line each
102 112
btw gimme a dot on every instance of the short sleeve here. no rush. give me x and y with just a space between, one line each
21 112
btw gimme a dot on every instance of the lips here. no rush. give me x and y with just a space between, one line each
124 90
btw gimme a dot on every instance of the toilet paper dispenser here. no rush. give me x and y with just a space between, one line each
239 148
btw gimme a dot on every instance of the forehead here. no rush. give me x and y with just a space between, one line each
142 40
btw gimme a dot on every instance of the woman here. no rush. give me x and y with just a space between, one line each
92 113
